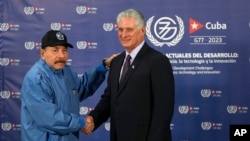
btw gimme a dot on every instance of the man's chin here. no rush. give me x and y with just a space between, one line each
59 66
126 45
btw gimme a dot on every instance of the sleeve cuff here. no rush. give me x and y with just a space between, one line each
82 122
102 68
105 65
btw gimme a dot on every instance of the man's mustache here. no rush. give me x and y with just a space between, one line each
60 61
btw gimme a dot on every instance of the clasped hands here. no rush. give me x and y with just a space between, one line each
89 125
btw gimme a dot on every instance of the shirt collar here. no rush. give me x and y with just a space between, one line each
135 51
47 67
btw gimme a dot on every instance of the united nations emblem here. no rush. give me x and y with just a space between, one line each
4 26
232 109
107 126
5 94
206 125
206 93
4 61
29 10
6 126
183 109
81 9
108 26
84 110
81 44
166 30
29 45
55 26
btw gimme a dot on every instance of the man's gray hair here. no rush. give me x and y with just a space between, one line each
137 15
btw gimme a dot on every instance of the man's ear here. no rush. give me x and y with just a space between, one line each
143 29
42 53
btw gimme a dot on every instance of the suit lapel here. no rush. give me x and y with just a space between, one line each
117 68
132 67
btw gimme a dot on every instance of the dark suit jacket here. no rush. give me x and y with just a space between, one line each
141 106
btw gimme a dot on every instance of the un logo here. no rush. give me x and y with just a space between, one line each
83 110
205 92
55 26
81 44
108 26
29 45
81 9
183 109
4 26
5 94
6 126
231 109
206 125
166 31
28 10
4 61
107 126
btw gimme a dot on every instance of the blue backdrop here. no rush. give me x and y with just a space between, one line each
206 41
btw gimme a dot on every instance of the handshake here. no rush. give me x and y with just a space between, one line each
89 125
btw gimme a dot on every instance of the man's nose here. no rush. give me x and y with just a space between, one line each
61 54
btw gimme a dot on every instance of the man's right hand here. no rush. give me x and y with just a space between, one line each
89 125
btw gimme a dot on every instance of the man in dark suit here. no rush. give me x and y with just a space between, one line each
141 104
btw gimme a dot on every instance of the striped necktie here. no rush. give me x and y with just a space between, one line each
125 66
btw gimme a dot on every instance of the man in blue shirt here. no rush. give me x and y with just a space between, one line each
51 93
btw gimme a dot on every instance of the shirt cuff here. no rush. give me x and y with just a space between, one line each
82 122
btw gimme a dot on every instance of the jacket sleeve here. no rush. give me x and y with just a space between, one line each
91 81
163 89
101 112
